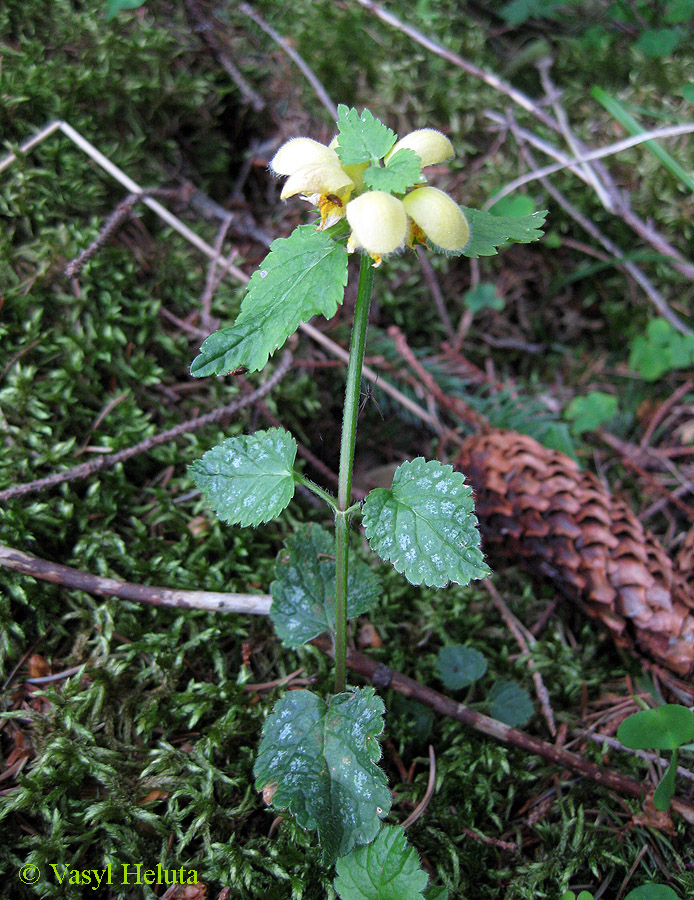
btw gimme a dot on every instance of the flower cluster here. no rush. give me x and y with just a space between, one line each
381 222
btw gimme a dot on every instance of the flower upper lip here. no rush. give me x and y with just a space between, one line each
381 222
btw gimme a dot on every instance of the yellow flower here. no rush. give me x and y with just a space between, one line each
315 172
379 223
431 146
439 217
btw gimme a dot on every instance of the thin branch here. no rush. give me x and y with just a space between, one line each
620 205
524 639
209 601
163 437
206 30
435 288
383 678
420 808
308 73
642 754
600 153
633 270
487 77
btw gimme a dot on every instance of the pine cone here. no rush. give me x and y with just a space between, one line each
536 507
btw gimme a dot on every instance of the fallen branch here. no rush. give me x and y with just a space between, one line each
378 674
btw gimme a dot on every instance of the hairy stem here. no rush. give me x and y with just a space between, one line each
344 489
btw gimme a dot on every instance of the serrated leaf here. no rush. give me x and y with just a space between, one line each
425 525
322 757
303 593
510 703
652 892
489 234
664 728
662 349
514 205
388 869
590 412
302 275
403 169
460 666
361 138
484 296
249 479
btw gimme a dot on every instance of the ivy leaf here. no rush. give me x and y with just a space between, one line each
425 525
322 758
387 869
489 233
302 275
303 593
402 170
510 703
362 138
590 412
249 479
460 666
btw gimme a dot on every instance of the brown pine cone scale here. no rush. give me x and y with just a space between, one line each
537 508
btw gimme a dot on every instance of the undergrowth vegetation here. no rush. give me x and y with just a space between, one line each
143 752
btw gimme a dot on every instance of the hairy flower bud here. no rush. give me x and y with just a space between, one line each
439 217
301 152
318 178
431 146
378 221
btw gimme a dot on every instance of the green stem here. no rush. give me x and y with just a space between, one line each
344 489
318 491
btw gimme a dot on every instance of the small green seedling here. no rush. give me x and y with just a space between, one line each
318 754
460 666
668 727
644 892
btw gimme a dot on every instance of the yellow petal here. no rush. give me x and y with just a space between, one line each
301 152
317 178
378 221
431 146
439 217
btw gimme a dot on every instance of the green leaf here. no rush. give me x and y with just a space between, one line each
666 789
440 892
652 892
484 296
425 525
322 757
489 233
515 205
248 480
303 594
677 12
460 666
303 275
688 92
113 7
510 703
590 412
664 728
519 11
362 138
662 349
659 42
402 170
388 869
